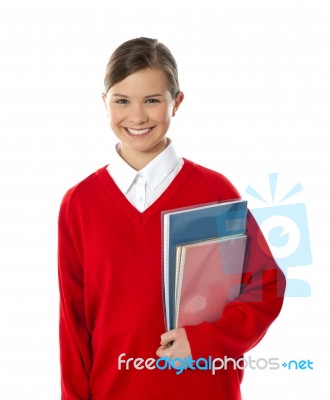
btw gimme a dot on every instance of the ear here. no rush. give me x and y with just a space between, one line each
177 102
104 98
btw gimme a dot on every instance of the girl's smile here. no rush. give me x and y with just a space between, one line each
138 132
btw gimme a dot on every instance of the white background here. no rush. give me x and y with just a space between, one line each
257 83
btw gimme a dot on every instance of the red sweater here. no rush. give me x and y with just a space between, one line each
111 294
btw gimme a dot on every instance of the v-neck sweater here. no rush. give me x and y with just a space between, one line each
111 294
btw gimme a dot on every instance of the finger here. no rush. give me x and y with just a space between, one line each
161 351
168 337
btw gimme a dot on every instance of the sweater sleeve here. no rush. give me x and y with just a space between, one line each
75 347
245 320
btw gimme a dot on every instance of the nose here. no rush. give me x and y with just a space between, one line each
138 115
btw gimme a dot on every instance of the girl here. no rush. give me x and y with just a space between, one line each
111 315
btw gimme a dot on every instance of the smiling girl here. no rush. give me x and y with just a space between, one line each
110 253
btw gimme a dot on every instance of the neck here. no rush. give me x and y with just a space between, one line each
139 159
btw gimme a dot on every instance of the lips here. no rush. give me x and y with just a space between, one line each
138 132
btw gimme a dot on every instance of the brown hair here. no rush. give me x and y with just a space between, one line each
140 53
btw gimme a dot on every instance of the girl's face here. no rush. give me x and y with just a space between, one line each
140 109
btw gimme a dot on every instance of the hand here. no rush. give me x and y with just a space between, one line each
174 344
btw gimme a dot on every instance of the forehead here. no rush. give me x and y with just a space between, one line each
142 83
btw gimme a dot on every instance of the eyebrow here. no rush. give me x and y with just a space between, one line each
146 97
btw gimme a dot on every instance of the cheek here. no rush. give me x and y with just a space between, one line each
162 115
115 116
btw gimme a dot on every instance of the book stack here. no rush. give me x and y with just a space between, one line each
203 259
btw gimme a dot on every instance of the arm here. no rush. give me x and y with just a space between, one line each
75 349
245 321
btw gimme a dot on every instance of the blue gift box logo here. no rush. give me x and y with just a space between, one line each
286 230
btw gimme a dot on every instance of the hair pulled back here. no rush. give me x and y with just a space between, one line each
140 53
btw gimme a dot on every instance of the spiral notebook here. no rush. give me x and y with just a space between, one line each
208 276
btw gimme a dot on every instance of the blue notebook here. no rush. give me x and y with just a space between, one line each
193 224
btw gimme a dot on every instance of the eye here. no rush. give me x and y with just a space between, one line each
152 101
121 101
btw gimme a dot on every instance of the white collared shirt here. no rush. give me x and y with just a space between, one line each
143 187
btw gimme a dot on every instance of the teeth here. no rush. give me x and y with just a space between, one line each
138 132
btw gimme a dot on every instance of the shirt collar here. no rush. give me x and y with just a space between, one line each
121 172
154 172
159 168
